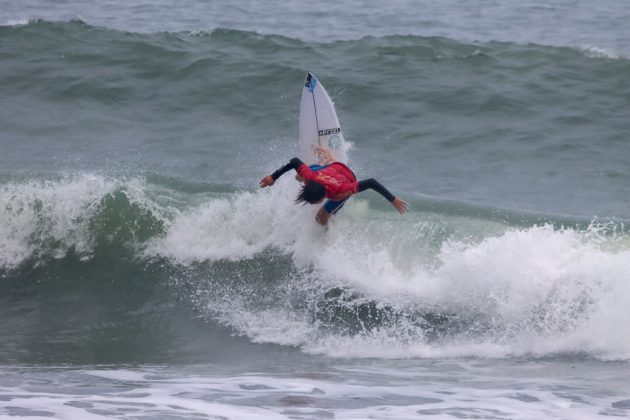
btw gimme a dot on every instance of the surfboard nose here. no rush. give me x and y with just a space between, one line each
310 82
319 125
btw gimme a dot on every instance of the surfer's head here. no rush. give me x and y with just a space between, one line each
312 192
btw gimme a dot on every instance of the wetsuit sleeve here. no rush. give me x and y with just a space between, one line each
373 184
294 163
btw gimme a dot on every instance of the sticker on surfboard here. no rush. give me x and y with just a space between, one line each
319 125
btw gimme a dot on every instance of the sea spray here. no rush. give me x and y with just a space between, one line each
47 218
413 286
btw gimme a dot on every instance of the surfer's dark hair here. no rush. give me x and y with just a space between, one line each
312 192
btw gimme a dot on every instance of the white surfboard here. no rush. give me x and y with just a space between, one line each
319 125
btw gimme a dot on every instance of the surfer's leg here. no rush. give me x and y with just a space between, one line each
332 207
329 208
322 216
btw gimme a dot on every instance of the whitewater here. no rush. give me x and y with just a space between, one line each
440 290
503 290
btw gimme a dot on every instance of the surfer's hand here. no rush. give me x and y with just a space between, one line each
400 205
267 181
324 155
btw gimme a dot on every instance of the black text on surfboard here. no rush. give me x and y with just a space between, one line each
329 131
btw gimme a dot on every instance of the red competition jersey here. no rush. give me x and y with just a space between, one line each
337 178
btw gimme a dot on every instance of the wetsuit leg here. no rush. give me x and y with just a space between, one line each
332 207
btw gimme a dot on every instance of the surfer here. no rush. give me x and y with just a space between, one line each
332 180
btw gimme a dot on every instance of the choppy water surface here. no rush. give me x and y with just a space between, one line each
398 390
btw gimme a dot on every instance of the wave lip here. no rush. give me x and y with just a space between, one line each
35 213
18 22
41 219
597 52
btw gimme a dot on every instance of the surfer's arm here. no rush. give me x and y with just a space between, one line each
295 163
303 170
373 184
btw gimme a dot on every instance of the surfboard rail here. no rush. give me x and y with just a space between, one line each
319 124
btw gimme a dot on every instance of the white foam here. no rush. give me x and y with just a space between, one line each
233 227
593 51
34 213
49 217
373 391
118 375
18 22
536 290
278 326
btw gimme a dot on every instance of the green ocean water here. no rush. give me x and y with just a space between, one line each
504 125
141 152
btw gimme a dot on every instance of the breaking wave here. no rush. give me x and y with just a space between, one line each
374 284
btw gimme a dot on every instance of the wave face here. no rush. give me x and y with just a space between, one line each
93 267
